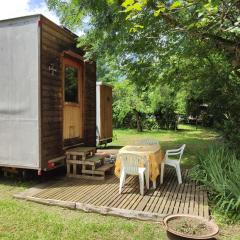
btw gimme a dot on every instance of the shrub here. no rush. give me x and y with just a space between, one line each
219 170
166 117
149 122
231 133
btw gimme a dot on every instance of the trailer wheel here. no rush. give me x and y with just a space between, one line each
24 174
27 174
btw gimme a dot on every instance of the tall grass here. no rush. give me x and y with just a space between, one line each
219 170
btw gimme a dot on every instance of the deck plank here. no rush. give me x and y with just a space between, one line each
80 192
129 196
169 198
196 201
53 193
155 193
155 196
164 198
187 200
201 203
205 207
192 198
75 194
106 193
167 184
97 192
142 204
174 198
72 191
113 195
50 190
128 189
183 195
178 199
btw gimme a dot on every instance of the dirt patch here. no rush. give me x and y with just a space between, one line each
190 226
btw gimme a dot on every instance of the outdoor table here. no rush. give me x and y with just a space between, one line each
154 155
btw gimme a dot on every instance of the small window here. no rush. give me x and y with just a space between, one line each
71 84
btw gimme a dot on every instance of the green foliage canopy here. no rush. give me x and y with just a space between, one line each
189 46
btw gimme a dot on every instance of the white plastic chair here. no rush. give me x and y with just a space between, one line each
173 162
147 142
133 164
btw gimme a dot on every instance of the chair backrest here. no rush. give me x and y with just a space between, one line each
178 151
182 150
147 142
130 162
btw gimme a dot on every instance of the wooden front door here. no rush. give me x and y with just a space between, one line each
73 99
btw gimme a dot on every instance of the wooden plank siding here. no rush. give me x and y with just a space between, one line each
55 40
106 112
90 105
104 197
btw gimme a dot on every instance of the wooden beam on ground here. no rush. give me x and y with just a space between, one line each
120 212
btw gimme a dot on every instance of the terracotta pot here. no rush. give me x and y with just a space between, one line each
177 235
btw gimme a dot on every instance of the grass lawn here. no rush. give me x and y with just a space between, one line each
196 140
26 220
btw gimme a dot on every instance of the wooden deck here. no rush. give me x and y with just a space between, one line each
103 197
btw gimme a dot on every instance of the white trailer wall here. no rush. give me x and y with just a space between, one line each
19 93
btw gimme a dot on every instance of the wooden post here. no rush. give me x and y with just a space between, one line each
74 166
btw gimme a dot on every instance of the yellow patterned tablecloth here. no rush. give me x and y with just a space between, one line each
153 153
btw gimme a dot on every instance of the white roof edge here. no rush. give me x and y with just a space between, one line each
33 16
21 18
103 84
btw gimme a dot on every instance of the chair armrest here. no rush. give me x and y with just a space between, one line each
174 150
172 153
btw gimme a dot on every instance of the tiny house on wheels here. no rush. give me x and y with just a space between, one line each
48 94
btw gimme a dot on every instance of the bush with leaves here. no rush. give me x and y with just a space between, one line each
166 104
153 107
149 122
129 104
218 170
166 117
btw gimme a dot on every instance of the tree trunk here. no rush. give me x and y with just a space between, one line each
139 120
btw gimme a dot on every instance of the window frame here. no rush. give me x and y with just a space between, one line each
78 98
74 63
